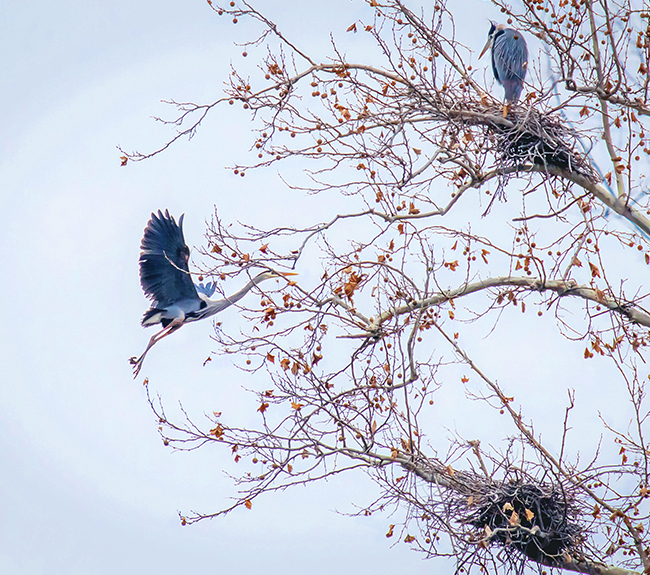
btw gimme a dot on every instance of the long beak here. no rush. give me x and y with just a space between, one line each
287 274
485 48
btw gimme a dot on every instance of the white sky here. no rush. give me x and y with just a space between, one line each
87 486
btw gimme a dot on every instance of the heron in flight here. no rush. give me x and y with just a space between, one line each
166 281
509 60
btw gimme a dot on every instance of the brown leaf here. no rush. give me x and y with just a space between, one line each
409 538
413 210
295 368
400 228
124 160
450 470
529 515
352 28
514 519
248 504
217 431
508 507
270 357
297 406
262 408
417 151
373 427
464 379
390 530
595 272
584 111
264 248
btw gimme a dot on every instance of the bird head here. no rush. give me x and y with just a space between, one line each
494 27
270 275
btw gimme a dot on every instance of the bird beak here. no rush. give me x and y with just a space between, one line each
287 274
485 48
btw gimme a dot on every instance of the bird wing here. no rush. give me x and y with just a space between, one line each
164 271
509 55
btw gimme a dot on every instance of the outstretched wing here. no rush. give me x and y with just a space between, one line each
164 271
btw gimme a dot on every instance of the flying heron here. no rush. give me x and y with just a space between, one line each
509 60
166 281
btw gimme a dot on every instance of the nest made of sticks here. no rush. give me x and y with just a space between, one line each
541 139
533 519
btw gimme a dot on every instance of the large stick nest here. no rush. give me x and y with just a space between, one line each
530 518
542 139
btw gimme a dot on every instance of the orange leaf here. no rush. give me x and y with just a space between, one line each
529 514
248 504
297 406
352 28
390 531
413 210
124 160
594 270
514 519
270 357
264 248
409 538
262 408
400 228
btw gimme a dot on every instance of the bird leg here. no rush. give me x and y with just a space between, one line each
137 362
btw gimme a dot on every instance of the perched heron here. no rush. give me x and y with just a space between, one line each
509 60
166 280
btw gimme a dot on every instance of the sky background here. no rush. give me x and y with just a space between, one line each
87 486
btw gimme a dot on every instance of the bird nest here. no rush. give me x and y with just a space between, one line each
533 519
541 139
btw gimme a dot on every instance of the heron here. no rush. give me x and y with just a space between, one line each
166 281
509 60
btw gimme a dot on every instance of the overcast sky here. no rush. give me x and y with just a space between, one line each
87 486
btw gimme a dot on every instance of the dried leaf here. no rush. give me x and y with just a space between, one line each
514 519
390 530
595 272
529 515
508 507
124 160
270 358
352 28
297 406
262 408
248 504
409 539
